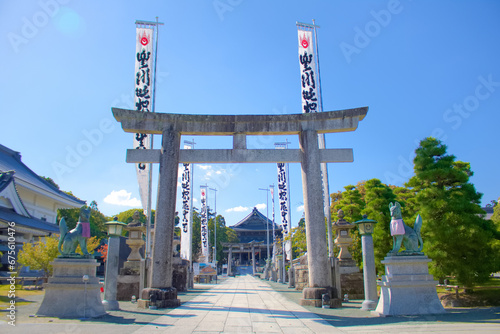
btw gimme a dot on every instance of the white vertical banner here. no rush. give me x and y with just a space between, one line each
311 102
272 201
204 225
187 207
143 94
284 209
308 70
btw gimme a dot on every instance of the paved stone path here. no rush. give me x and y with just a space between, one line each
240 305
245 304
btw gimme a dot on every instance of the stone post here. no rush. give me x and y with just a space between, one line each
366 227
229 261
291 276
319 268
370 277
253 259
281 278
111 279
160 278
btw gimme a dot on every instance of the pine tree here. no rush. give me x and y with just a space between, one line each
453 228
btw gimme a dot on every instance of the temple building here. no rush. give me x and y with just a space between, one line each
254 228
28 201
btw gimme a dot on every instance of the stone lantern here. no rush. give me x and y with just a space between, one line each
366 227
135 241
343 240
131 279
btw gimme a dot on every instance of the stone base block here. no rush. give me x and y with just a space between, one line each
314 297
128 286
161 298
407 288
67 295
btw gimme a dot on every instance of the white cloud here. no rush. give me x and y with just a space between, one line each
215 175
122 197
261 206
204 167
238 209
300 208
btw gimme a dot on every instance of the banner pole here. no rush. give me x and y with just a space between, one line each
322 145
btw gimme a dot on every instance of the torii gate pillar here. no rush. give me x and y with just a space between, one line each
160 279
317 258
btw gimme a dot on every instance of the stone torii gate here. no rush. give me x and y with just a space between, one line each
310 156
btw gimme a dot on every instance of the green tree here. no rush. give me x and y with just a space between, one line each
377 198
97 221
496 214
196 236
126 216
493 225
453 230
224 234
39 255
299 241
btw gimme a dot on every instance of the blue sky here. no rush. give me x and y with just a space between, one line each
422 67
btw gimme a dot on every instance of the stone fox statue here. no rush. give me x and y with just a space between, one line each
402 233
77 236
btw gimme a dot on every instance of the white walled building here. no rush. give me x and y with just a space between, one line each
29 201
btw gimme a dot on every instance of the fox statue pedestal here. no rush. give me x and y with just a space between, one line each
407 288
73 291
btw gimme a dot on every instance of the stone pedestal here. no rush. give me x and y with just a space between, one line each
128 286
132 274
67 296
129 281
353 285
351 279
407 288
